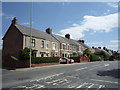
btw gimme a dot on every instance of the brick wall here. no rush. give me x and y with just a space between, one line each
12 43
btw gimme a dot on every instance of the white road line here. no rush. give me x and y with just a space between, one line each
106 65
53 81
80 69
104 81
82 85
47 77
90 86
100 86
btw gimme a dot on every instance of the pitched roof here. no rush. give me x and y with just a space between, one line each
84 45
35 33
60 39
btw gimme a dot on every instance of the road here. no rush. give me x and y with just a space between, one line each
89 75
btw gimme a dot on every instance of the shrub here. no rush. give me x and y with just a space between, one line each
37 60
94 57
25 53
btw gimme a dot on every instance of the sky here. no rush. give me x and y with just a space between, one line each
94 22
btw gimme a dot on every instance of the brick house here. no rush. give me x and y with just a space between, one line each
45 44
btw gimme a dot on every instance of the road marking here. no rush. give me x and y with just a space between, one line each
101 86
106 65
47 77
82 85
104 81
80 69
90 86
53 81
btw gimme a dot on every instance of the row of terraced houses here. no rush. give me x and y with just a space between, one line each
44 44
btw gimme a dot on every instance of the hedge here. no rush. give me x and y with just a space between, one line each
94 57
37 60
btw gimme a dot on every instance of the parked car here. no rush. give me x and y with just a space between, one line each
66 60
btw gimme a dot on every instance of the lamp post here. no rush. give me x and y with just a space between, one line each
30 30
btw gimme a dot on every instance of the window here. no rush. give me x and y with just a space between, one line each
47 45
68 47
42 45
33 42
54 46
63 46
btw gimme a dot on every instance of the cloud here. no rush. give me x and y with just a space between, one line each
26 23
115 41
96 43
6 16
113 4
93 23
107 12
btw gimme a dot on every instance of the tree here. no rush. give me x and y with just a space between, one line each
87 52
24 54
104 55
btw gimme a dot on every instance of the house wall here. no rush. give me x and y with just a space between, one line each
48 52
12 43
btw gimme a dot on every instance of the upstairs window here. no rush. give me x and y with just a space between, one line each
42 44
63 46
68 47
47 45
54 46
33 42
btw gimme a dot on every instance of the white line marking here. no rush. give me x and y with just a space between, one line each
47 77
82 85
90 86
80 69
104 81
53 81
100 86
106 65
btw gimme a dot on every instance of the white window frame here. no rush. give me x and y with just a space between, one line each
54 46
33 42
42 44
47 45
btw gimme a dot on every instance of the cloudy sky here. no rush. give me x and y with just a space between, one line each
94 22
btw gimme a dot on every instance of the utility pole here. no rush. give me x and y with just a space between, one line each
30 31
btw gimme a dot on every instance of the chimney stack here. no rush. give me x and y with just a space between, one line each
81 41
67 36
99 47
14 21
49 30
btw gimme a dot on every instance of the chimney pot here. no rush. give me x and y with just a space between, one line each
67 36
49 30
14 21
82 41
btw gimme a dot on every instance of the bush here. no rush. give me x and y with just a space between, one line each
94 57
37 60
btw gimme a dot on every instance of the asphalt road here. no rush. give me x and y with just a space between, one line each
105 74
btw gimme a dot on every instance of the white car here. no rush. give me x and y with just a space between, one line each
66 60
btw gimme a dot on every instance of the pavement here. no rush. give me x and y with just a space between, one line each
88 75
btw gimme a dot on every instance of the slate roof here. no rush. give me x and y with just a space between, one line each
84 45
35 33
52 37
60 39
